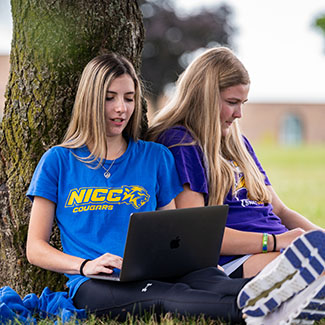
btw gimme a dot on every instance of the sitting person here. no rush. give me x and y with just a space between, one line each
217 164
84 183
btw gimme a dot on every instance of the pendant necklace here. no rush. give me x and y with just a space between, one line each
107 174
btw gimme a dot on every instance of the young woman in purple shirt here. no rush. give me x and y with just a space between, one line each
217 164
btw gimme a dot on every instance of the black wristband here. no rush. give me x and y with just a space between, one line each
274 242
82 267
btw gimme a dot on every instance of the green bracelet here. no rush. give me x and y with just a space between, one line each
264 242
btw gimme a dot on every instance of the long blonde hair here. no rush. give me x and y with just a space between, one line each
196 106
87 125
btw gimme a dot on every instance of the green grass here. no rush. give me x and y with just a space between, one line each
145 320
298 176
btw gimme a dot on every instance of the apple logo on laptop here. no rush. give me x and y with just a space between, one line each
175 243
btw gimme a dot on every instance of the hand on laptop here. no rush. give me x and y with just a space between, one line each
103 264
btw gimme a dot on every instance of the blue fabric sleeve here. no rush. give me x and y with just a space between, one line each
169 185
45 179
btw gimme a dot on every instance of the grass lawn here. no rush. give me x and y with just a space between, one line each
298 176
148 320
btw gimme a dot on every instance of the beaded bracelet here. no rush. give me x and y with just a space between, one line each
264 242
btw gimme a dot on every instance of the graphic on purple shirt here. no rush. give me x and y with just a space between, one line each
244 214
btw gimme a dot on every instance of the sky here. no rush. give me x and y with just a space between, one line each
283 53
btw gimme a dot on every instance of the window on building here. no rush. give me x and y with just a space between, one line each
291 130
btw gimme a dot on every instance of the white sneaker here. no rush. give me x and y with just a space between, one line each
304 308
302 262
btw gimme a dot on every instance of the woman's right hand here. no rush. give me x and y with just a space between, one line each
285 239
105 263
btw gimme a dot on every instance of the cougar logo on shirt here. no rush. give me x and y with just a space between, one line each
135 195
239 180
241 192
240 184
101 196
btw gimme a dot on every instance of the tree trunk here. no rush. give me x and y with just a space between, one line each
52 42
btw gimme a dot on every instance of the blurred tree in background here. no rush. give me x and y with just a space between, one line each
171 36
320 23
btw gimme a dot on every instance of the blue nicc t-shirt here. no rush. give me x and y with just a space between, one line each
244 213
93 212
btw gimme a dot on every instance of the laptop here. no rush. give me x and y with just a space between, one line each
170 243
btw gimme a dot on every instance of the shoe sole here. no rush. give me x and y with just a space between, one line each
304 308
298 266
315 307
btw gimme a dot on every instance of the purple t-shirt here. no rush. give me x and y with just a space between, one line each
244 213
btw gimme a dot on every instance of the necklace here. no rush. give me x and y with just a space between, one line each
107 174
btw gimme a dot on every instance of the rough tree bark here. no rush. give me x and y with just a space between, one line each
52 42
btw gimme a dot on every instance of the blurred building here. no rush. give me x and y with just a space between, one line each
284 123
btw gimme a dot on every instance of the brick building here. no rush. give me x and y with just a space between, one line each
285 123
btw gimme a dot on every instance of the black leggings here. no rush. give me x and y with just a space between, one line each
208 291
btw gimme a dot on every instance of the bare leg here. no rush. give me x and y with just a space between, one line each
257 262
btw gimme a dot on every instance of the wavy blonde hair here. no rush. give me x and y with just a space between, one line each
196 106
87 125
